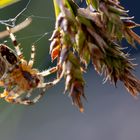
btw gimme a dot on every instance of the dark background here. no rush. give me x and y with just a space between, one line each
110 113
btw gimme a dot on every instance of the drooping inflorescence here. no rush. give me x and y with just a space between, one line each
94 34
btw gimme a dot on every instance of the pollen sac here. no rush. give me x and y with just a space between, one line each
7 54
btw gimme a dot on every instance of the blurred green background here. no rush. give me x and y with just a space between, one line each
43 22
43 18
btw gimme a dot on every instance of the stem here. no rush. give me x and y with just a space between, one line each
56 7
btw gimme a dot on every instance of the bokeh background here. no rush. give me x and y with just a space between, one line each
110 113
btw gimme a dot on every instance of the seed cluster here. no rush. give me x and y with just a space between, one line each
94 34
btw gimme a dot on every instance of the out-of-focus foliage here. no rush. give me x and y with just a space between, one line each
93 34
4 3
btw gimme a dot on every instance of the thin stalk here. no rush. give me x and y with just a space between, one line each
56 7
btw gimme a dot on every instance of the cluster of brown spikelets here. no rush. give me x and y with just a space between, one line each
93 34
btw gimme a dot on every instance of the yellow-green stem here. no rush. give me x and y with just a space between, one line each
56 8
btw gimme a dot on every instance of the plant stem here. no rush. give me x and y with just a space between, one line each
56 7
